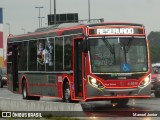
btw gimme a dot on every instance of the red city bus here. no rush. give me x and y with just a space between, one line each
81 62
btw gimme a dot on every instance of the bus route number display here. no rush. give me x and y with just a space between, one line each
114 31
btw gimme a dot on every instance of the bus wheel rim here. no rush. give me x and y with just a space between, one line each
24 92
67 94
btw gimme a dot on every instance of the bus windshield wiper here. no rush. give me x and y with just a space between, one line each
110 47
126 47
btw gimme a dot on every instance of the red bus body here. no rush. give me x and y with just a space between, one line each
92 65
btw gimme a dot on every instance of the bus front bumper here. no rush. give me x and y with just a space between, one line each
107 94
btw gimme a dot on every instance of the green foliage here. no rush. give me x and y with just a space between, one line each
154 41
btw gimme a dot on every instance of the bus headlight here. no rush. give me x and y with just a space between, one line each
145 81
94 82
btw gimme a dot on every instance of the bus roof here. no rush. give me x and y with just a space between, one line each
74 28
67 25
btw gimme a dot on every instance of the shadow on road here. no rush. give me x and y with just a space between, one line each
105 109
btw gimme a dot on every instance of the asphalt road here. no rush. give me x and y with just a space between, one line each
104 109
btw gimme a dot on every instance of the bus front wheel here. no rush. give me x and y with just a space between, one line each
66 93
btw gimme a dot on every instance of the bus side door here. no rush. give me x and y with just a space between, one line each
78 78
13 84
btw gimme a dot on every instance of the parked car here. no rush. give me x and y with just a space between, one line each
155 76
3 78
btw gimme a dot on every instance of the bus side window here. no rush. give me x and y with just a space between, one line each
41 55
22 56
50 54
32 59
59 53
67 52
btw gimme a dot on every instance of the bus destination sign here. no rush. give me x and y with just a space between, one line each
115 31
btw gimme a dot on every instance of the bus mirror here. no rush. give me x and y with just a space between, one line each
85 46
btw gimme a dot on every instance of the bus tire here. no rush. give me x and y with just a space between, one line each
120 102
24 91
66 93
34 97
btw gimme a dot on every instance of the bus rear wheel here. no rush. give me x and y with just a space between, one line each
25 93
66 93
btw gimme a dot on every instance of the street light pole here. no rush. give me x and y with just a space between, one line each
39 14
23 30
89 17
41 20
55 12
9 28
50 7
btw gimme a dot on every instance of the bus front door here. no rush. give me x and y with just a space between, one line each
15 68
78 85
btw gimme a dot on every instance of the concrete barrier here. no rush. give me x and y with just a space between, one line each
31 105
57 108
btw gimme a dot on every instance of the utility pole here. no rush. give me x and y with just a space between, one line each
39 15
55 12
50 12
41 21
89 16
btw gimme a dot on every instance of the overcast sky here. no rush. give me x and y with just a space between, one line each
23 14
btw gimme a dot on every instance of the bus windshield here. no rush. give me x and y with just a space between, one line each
118 55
